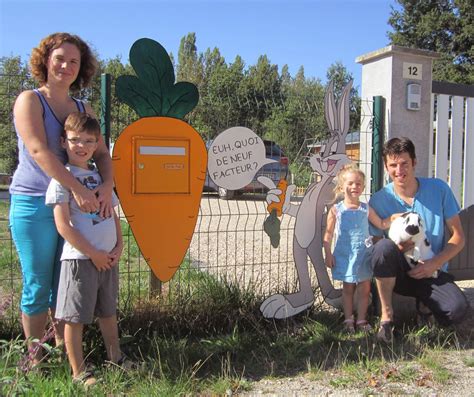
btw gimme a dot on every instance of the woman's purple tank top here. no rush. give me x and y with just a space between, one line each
29 179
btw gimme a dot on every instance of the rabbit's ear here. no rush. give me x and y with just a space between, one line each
330 108
343 109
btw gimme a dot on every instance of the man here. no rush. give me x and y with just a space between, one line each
435 202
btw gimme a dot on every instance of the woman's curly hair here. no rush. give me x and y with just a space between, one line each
40 55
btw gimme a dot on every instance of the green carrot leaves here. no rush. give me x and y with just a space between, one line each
153 92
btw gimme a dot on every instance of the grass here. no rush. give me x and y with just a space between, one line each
206 336
10 276
469 361
214 341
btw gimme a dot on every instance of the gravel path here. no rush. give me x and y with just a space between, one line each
460 384
229 242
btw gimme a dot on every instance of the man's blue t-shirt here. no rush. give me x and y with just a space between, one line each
434 201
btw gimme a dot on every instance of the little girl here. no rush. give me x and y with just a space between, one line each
350 262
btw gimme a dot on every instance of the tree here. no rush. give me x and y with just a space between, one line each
297 119
285 75
14 78
275 106
212 95
261 89
188 68
445 26
298 115
338 73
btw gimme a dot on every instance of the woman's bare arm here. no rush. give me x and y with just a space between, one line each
28 114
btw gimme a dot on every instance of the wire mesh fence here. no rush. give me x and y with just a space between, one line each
229 243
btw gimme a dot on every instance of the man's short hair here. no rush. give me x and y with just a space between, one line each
81 122
396 146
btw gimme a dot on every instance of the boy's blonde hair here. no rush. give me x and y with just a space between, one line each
351 167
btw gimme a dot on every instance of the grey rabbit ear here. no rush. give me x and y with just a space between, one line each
343 109
330 109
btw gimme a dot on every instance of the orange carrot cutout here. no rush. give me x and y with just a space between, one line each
159 160
282 185
272 224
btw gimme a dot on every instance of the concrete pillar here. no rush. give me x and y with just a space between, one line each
387 72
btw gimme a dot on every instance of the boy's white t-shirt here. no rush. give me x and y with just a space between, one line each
100 232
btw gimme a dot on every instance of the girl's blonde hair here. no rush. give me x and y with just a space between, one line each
351 167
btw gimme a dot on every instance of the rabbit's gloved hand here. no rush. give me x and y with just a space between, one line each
274 194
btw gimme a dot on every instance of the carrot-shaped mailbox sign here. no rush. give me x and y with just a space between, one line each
159 160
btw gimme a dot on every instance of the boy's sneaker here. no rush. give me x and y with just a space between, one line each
385 332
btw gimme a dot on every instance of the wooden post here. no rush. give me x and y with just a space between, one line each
155 286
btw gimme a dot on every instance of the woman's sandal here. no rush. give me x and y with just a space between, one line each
363 325
349 325
86 379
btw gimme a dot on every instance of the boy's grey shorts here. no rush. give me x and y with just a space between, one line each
84 292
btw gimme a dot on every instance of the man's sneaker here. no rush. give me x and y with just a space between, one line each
385 332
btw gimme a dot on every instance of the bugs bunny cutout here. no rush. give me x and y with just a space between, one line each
310 214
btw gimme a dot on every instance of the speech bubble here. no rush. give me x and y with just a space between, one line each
235 156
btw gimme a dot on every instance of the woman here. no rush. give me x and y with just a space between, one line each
61 63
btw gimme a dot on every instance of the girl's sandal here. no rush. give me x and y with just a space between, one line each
363 325
86 379
349 325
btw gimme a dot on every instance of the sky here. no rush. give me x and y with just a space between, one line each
309 33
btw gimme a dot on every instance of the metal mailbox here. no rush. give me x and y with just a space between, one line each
160 165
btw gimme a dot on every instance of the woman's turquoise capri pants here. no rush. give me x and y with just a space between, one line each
39 248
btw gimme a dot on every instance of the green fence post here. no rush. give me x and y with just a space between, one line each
377 142
105 107
376 184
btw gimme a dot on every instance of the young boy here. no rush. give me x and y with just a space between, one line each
88 283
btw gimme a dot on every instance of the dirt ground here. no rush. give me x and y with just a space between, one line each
461 382
232 244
